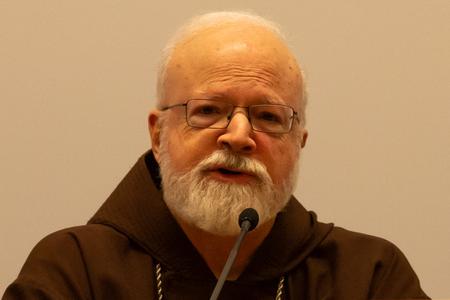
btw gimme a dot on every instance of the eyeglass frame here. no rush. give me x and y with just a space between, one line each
230 117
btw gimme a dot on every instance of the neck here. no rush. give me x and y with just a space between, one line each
215 248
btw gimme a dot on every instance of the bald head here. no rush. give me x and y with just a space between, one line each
231 50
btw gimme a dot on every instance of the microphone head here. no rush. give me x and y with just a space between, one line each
250 215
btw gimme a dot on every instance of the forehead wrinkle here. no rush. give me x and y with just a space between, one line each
239 72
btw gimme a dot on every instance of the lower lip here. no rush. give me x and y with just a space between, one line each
240 178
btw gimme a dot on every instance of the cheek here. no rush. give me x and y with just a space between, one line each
187 146
279 156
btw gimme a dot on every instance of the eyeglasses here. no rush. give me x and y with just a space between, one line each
204 113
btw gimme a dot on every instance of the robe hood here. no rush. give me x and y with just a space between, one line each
114 256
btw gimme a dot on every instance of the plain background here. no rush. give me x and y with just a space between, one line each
77 81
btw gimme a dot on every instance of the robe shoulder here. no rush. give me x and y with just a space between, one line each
378 262
75 263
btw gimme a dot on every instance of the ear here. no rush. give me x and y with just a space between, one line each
304 137
155 131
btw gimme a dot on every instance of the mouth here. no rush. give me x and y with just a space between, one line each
228 171
230 175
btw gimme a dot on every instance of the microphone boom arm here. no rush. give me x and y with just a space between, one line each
245 226
248 220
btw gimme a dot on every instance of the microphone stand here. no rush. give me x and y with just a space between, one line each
245 227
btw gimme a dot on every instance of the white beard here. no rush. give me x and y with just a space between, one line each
214 206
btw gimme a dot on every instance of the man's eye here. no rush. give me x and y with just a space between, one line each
208 110
269 117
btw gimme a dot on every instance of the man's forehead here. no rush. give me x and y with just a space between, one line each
232 54
224 46
226 38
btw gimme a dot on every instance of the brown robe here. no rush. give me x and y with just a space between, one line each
114 256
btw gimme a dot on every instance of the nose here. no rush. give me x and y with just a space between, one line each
238 136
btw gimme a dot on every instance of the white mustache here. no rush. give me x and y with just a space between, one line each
231 160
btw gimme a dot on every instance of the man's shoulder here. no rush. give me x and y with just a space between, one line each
82 238
346 237
367 263
360 245
73 263
81 232
56 263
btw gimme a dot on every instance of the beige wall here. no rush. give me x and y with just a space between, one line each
77 80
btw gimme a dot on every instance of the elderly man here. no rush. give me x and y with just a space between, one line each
227 135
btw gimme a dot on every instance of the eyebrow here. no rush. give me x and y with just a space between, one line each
222 96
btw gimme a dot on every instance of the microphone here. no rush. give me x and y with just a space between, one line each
248 219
